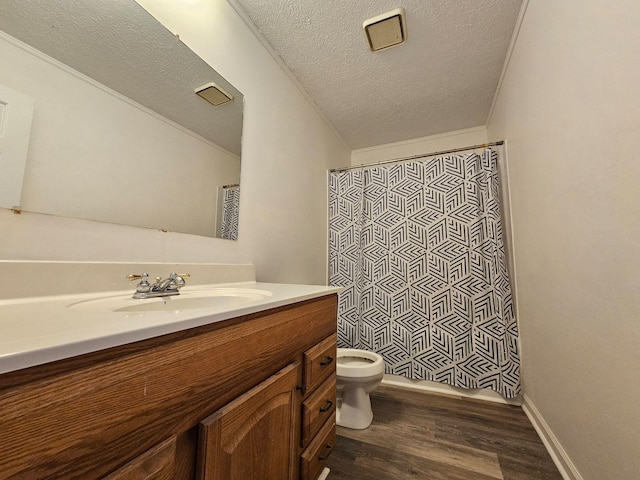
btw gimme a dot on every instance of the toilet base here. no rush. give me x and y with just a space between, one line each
354 409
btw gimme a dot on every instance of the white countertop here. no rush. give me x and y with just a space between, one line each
38 330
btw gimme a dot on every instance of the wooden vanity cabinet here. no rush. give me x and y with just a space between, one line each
223 401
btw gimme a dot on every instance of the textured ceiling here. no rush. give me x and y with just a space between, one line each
443 78
117 43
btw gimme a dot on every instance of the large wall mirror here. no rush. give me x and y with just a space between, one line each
109 126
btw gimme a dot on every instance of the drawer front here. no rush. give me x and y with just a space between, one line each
155 464
314 458
319 363
318 408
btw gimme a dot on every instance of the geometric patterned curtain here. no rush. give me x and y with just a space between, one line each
418 248
230 212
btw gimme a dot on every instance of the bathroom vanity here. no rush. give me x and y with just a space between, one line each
241 393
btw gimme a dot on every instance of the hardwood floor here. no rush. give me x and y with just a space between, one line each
421 436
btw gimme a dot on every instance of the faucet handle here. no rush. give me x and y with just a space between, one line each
178 279
176 275
144 277
143 286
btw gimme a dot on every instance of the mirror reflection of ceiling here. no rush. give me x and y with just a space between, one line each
112 42
442 79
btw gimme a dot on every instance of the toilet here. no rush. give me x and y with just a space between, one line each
358 372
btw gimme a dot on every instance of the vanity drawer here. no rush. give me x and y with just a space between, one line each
319 362
314 458
318 408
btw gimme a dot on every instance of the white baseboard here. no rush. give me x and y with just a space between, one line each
566 467
444 389
324 474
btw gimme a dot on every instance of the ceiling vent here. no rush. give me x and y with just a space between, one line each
214 94
386 30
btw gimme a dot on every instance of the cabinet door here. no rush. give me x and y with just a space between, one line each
254 436
155 464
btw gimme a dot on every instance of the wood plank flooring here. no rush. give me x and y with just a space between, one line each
415 435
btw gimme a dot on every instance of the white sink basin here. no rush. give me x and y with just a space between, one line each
210 298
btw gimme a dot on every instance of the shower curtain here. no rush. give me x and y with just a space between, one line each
418 248
230 210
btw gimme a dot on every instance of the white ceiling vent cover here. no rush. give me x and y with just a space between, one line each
214 94
386 30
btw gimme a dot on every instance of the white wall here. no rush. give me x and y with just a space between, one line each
287 149
433 143
569 108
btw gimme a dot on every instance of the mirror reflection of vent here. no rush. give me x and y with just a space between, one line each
214 94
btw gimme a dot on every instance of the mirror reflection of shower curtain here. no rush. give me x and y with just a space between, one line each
230 209
418 247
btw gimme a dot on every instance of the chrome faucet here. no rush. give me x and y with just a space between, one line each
161 288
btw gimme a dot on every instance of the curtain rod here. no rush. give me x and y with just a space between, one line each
414 157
